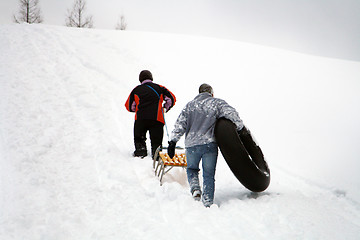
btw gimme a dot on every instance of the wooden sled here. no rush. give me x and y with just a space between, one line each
165 163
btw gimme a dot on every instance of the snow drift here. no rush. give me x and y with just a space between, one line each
66 139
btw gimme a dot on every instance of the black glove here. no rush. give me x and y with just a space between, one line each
243 132
171 149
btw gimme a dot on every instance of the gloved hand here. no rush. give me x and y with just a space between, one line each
171 149
243 132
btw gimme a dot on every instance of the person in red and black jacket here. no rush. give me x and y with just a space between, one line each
149 101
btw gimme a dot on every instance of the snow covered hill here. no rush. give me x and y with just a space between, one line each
66 170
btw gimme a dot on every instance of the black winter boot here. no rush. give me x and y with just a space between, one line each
140 150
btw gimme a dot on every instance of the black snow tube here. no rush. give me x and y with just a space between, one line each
243 155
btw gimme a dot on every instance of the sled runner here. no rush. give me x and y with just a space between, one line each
165 163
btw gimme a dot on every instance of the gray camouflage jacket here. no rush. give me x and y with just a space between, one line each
197 120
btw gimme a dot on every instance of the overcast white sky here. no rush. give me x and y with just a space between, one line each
321 27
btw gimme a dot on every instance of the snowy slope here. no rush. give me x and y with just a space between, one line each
66 139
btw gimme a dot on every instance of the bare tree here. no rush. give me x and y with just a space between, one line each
121 25
76 16
29 12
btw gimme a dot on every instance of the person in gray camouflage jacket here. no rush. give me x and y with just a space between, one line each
197 121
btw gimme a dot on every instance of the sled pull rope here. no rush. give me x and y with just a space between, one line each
167 132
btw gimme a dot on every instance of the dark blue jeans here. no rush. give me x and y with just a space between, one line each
208 153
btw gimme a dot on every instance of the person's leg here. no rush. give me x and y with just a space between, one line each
193 157
140 138
156 131
209 160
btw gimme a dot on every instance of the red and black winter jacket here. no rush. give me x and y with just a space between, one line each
146 101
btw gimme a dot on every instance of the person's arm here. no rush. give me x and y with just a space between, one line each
179 130
169 98
132 102
228 112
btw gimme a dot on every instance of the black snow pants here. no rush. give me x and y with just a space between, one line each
156 132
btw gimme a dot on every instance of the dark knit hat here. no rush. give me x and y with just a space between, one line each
145 75
206 88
